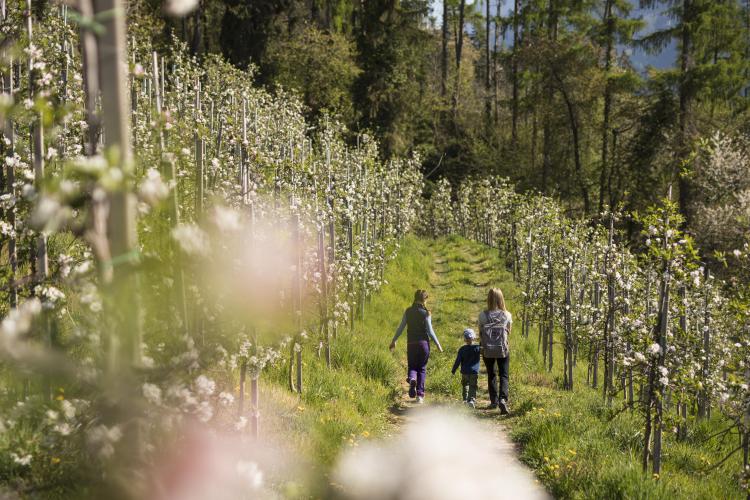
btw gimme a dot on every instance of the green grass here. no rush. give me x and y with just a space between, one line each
351 401
578 447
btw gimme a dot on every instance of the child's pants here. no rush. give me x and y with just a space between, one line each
417 354
469 383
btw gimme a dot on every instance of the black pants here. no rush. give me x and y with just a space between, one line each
502 367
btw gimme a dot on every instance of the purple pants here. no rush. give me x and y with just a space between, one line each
417 354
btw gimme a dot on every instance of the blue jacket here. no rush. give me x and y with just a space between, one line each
468 359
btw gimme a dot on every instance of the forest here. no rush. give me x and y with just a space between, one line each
550 94
212 213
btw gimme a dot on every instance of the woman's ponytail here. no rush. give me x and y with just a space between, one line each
420 297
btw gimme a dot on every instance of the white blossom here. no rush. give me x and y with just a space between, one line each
226 399
180 8
21 459
204 385
240 424
204 411
152 393
654 350
251 474
102 439
152 189
192 239
226 219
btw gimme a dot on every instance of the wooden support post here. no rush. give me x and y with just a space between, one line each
324 293
41 261
332 260
199 154
364 253
37 153
594 361
681 404
90 79
297 297
551 306
123 298
629 348
254 401
244 171
658 394
241 395
170 171
704 403
10 178
527 297
609 368
158 99
568 330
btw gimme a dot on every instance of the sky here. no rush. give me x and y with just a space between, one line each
653 18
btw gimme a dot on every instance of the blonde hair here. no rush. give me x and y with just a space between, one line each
495 300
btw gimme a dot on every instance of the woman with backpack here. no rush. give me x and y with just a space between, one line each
494 329
418 324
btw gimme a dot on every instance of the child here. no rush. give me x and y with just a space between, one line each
468 359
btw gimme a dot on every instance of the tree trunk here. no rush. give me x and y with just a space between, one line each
685 107
444 53
514 76
576 145
550 95
459 48
609 43
487 76
195 45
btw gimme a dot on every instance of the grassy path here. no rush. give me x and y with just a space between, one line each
577 446
461 273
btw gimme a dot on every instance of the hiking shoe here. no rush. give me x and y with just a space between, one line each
412 389
420 400
472 404
503 407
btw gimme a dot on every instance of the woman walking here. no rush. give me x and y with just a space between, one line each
418 324
494 328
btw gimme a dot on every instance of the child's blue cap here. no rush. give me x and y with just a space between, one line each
469 334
